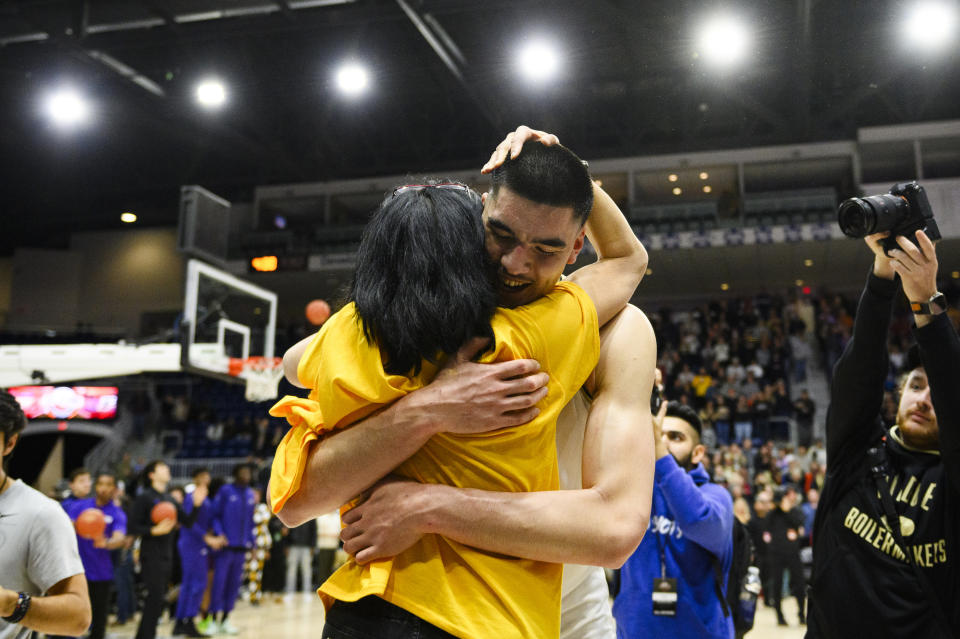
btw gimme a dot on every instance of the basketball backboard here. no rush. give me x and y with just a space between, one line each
225 318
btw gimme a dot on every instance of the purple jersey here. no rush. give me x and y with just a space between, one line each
96 561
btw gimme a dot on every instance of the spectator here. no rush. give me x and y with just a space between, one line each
782 535
301 543
690 531
804 411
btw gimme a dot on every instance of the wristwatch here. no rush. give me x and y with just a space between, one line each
936 304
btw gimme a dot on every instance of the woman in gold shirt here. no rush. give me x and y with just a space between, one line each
414 301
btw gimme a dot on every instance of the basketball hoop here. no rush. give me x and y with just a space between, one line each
261 375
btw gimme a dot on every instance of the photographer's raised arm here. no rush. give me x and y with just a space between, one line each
857 388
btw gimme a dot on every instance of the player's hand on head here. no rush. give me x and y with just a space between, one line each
513 144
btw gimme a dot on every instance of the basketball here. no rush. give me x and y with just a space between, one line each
163 510
91 523
317 312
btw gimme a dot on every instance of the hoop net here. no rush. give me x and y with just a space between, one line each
261 375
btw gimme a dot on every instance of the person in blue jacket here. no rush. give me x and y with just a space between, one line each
668 585
232 518
195 545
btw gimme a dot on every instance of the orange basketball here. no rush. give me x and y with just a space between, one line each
163 510
317 312
91 523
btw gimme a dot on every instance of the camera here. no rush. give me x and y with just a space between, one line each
903 211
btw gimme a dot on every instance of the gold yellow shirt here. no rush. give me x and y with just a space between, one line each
463 590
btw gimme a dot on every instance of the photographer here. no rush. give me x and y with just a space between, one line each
880 575
668 586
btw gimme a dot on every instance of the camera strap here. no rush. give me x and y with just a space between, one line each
877 457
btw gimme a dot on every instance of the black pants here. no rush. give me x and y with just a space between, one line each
155 573
777 564
99 606
375 618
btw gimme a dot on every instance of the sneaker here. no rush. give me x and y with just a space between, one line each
227 628
781 620
190 629
178 629
207 626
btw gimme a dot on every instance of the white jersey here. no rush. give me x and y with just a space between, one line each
585 605
38 546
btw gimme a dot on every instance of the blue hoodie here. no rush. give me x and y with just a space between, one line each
693 520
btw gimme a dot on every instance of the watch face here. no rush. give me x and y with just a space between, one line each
938 302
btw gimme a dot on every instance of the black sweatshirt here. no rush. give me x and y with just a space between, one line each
861 584
155 547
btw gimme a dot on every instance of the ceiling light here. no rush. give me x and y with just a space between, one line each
67 108
677 190
799 282
352 79
704 175
707 188
955 275
128 218
649 271
723 41
211 94
930 24
538 61
808 262
724 287
672 177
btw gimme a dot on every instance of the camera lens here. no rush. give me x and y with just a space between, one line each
859 217
856 218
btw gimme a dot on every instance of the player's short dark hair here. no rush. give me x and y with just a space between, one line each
424 280
551 175
77 472
687 414
12 419
150 468
239 467
107 473
202 469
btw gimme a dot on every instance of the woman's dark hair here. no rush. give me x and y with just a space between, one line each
423 282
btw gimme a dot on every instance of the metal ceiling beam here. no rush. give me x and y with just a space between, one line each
166 19
436 42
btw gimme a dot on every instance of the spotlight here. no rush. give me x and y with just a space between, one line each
808 262
704 175
707 188
672 177
677 190
723 41
67 108
128 217
211 94
724 287
352 79
799 282
538 61
929 25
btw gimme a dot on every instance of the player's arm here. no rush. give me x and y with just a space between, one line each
621 258
65 610
464 397
601 524
856 391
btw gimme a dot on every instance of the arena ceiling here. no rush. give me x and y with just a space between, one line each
630 84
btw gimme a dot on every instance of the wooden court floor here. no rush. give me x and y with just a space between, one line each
302 616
